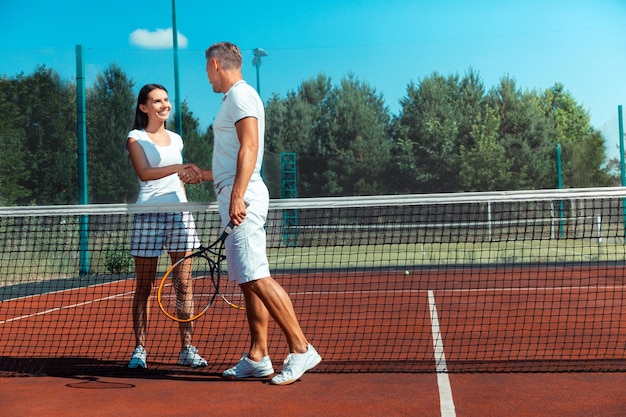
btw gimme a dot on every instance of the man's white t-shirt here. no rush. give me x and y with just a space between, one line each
167 189
239 102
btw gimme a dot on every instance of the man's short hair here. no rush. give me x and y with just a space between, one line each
228 55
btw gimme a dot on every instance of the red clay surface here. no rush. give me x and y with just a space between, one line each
347 395
496 319
534 319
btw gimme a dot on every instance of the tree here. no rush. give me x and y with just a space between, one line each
584 149
449 136
359 146
110 112
584 164
13 167
340 135
526 135
290 125
293 125
198 149
429 126
484 165
48 131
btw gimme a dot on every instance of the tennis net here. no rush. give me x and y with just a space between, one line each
472 282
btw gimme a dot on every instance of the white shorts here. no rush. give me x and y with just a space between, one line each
246 255
154 233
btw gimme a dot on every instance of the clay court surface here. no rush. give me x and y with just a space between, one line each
317 394
336 388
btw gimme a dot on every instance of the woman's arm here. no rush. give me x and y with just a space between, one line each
144 171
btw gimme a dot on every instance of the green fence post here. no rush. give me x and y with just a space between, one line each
81 117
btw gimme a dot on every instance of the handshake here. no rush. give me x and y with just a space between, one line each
190 174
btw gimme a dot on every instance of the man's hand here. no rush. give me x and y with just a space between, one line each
190 174
237 210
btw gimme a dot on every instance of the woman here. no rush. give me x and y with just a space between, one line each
156 155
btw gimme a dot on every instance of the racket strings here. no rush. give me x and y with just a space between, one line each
187 289
192 284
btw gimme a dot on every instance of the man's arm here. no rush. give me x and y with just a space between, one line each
248 134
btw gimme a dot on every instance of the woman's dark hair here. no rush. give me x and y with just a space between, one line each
141 119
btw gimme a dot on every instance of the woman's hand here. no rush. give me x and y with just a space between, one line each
190 174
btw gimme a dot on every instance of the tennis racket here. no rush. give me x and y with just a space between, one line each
192 284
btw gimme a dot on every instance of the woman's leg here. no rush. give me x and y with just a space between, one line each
145 272
184 295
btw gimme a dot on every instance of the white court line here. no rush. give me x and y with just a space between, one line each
359 292
446 402
464 290
67 307
64 290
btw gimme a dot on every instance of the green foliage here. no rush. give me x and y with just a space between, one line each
582 146
38 128
110 112
485 166
358 139
528 136
451 134
340 135
13 167
118 259
198 149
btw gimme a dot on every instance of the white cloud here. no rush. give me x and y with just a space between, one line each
159 39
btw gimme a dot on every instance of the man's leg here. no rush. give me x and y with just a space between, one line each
258 320
276 302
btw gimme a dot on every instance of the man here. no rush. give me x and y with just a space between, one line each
243 198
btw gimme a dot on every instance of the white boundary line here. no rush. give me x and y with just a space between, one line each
446 402
431 298
67 307
62 290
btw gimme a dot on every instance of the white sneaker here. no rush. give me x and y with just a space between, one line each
247 368
189 357
138 360
296 365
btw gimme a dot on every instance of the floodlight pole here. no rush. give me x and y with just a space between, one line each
178 115
258 53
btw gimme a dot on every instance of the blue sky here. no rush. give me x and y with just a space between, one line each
386 43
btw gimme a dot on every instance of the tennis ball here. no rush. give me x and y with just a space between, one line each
406 272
